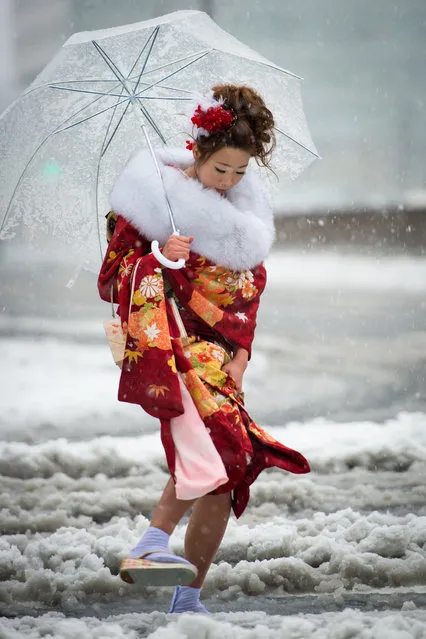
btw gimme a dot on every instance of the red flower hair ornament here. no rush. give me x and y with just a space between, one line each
210 118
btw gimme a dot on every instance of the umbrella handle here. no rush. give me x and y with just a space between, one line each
155 248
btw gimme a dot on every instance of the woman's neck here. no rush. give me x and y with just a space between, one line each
190 172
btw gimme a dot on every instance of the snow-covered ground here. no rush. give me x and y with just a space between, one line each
338 373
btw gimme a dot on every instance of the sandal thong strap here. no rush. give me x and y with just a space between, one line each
153 552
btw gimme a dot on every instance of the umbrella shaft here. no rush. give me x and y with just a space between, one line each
140 117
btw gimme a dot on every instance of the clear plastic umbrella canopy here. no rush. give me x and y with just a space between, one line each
108 93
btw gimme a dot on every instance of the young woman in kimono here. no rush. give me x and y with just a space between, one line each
194 384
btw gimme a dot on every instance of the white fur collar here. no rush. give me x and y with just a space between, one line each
235 231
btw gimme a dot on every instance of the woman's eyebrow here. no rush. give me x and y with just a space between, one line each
243 166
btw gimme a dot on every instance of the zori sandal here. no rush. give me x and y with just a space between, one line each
166 570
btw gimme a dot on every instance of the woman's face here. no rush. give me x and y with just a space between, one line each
223 170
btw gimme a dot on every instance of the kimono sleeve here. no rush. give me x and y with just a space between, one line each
240 320
126 246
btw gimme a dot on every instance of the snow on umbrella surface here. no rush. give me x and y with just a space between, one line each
66 139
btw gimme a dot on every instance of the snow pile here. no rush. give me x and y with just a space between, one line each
348 623
394 445
111 456
326 553
336 626
70 511
57 626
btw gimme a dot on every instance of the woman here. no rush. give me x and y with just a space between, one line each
193 382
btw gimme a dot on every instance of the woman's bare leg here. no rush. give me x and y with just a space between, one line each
170 510
205 531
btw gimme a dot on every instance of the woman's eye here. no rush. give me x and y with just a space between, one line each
237 172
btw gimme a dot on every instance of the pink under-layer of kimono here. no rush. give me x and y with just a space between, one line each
199 468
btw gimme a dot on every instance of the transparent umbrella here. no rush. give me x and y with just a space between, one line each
108 93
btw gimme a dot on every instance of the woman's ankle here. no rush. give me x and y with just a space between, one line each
186 599
153 539
167 526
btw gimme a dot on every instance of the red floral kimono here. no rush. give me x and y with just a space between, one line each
218 308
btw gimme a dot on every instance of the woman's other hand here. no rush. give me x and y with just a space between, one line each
237 367
177 247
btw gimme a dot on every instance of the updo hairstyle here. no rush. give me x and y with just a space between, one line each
252 129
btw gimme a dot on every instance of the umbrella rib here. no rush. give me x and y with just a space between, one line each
191 93
166 98
114 95
298 143
152 122
116 71
137 60
86 106
102 153
118 95
166 87
51 84
73 82
272 66
153 38
203 55
115 129
168 64
91 116
265 64
92 80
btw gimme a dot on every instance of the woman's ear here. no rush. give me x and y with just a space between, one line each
195 151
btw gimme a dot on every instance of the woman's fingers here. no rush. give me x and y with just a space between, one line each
181 239
235 374
177 247
228 371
